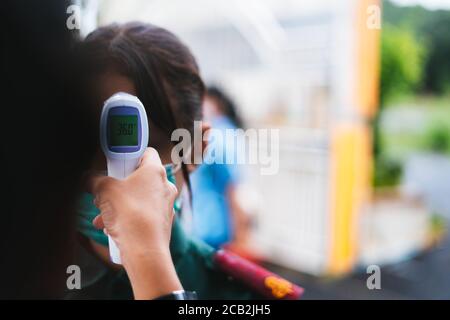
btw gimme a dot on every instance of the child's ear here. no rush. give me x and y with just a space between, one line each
200 153
205 131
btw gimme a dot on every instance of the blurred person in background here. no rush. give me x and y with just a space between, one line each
219 217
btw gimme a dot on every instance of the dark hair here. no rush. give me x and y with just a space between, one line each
50 143
225 104
164 72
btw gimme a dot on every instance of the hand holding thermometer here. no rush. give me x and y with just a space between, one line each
124 139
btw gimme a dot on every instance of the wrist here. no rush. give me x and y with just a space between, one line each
179 295
152 274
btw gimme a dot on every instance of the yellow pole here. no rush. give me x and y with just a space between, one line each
351 157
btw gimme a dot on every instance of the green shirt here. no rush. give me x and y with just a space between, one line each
193 262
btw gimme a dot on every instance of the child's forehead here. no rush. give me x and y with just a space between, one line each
110 82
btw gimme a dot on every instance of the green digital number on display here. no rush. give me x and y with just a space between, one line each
123 130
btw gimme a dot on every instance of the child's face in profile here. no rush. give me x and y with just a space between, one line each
210 109
110 83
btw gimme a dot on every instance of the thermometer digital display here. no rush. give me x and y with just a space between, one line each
123 130
124 139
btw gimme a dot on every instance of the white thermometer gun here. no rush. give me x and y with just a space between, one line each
124 139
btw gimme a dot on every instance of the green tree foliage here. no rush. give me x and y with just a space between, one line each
402 60
437 138
415 58
402 65
413 18
437 68
431 28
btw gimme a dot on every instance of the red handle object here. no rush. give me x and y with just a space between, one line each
263 281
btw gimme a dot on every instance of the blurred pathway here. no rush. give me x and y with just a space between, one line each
426 276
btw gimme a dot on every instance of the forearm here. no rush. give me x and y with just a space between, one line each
151 274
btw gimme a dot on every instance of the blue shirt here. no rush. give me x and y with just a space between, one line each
211 220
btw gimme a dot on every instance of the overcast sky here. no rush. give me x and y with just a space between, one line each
430 4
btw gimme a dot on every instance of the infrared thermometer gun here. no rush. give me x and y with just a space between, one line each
124 139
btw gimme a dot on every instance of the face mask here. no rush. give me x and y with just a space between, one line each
87 211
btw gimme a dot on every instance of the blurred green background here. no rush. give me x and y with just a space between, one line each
414 89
